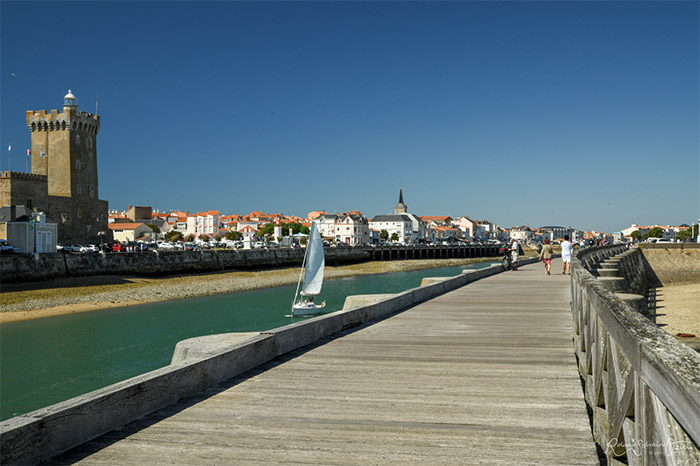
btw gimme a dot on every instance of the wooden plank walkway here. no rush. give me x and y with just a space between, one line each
483 374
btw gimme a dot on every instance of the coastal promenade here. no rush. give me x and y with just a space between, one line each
482 374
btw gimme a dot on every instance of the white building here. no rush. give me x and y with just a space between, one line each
409 228
203 223
401 224
466 225
349 228
326 224
521 233
247 229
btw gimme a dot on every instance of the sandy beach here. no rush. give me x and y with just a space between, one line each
82 294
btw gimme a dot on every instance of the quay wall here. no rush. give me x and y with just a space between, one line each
673 263
21 268
641 384
197 364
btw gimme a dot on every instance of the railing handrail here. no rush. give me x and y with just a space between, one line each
669 369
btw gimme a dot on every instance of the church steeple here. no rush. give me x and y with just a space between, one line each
400 207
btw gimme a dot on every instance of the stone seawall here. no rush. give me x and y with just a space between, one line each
26 267
674 263
22 268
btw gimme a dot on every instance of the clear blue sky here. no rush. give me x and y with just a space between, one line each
546 113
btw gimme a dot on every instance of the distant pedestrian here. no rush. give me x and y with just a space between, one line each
582 243
514 250
566 250
546 256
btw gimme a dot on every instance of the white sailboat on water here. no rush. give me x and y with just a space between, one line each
312 271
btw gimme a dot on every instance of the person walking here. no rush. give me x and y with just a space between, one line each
546 256
566 250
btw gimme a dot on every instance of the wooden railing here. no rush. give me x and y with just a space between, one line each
642 386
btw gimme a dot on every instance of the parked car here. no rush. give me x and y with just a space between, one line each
79 248
7 248
118 247
659 240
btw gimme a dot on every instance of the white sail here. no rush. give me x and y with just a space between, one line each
313 276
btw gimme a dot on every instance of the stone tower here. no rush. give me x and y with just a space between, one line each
64 148
400 208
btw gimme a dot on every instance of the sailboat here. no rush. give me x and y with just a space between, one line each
312 271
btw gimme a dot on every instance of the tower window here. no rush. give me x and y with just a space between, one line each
77 164
29 204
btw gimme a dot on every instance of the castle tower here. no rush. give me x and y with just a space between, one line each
400 208
64 148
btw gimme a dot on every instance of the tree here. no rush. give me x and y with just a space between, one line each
267 229
688 233
189 238
217 238
384 235
173 236
153 227
204 238
655 232
394 236
636 235
233 235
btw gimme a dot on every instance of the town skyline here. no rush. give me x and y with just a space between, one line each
513 112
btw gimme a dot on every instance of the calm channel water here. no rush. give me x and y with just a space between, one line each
45 361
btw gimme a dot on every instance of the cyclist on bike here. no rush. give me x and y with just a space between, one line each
514 250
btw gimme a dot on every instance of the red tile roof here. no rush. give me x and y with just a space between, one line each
124 226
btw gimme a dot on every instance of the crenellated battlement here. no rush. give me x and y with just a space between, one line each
70 120
22 176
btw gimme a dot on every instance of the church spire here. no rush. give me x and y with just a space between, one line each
400 207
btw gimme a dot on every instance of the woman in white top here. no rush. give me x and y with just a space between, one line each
566 250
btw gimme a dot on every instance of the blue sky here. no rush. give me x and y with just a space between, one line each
542 113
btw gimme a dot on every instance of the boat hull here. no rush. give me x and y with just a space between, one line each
306 309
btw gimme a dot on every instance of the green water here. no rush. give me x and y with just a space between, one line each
45 361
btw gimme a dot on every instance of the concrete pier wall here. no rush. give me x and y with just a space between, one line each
197 364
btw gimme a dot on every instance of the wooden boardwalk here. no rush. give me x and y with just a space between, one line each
483 374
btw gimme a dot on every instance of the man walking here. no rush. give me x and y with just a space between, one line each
566 250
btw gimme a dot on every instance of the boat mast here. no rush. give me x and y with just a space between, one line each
303 264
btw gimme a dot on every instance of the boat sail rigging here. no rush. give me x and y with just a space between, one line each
312 270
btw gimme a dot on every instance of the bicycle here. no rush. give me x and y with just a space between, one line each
507 261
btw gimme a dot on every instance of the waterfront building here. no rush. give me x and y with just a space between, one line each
63 182
27 230
326 224
558 232
248 229
409 228
203 223
466 225
439 228
522 233
130 231
351 228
